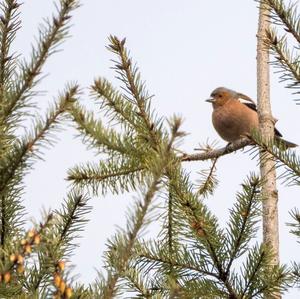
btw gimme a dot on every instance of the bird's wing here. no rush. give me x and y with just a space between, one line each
247 101
252 105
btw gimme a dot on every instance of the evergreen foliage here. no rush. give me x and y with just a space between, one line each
193 256
284 47
296 231
32 262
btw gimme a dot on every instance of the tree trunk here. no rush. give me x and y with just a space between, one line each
267 165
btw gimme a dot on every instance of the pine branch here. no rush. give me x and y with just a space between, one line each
194 275
70 221
171 227
121 247
194 212
285 158
9 24
243 219
158 255
91 291
17 162
130 76
209 180
67 223
287 62
116 176
261 278
204 226
50 36
26 149
253 266
201 289
11 216
170 224
96 135
56 115
295 214
136 282
296 273
128 159
286 16
16 257
295 230
169 234
117 106
29 241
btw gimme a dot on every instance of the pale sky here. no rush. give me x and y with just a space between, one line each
184 50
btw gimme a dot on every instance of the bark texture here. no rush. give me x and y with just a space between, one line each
267 165
216 153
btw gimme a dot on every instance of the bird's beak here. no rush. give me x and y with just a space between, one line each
211 100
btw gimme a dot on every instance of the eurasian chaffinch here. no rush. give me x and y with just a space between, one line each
235 115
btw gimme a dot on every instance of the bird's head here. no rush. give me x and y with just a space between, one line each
220 96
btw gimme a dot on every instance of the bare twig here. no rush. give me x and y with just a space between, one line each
216 153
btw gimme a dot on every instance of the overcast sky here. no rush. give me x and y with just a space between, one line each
184 50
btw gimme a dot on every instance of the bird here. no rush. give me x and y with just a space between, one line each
235 116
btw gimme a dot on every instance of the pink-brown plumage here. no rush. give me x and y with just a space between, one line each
233 118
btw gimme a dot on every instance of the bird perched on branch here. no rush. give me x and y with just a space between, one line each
235 115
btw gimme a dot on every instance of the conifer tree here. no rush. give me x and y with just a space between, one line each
193 256
32 262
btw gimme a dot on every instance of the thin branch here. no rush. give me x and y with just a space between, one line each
208 179
203 225
25 149
54 34
68 221
125 247
115 102
170 223
286 15
81 177
223 274
212 154
179 265
130 76
94 133
284 59
9 25
243 227
254 273
109 288
288 158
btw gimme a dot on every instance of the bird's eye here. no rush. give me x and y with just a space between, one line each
220 96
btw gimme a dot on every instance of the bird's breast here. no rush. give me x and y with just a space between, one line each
232 122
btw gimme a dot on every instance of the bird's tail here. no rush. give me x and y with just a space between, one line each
284 143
